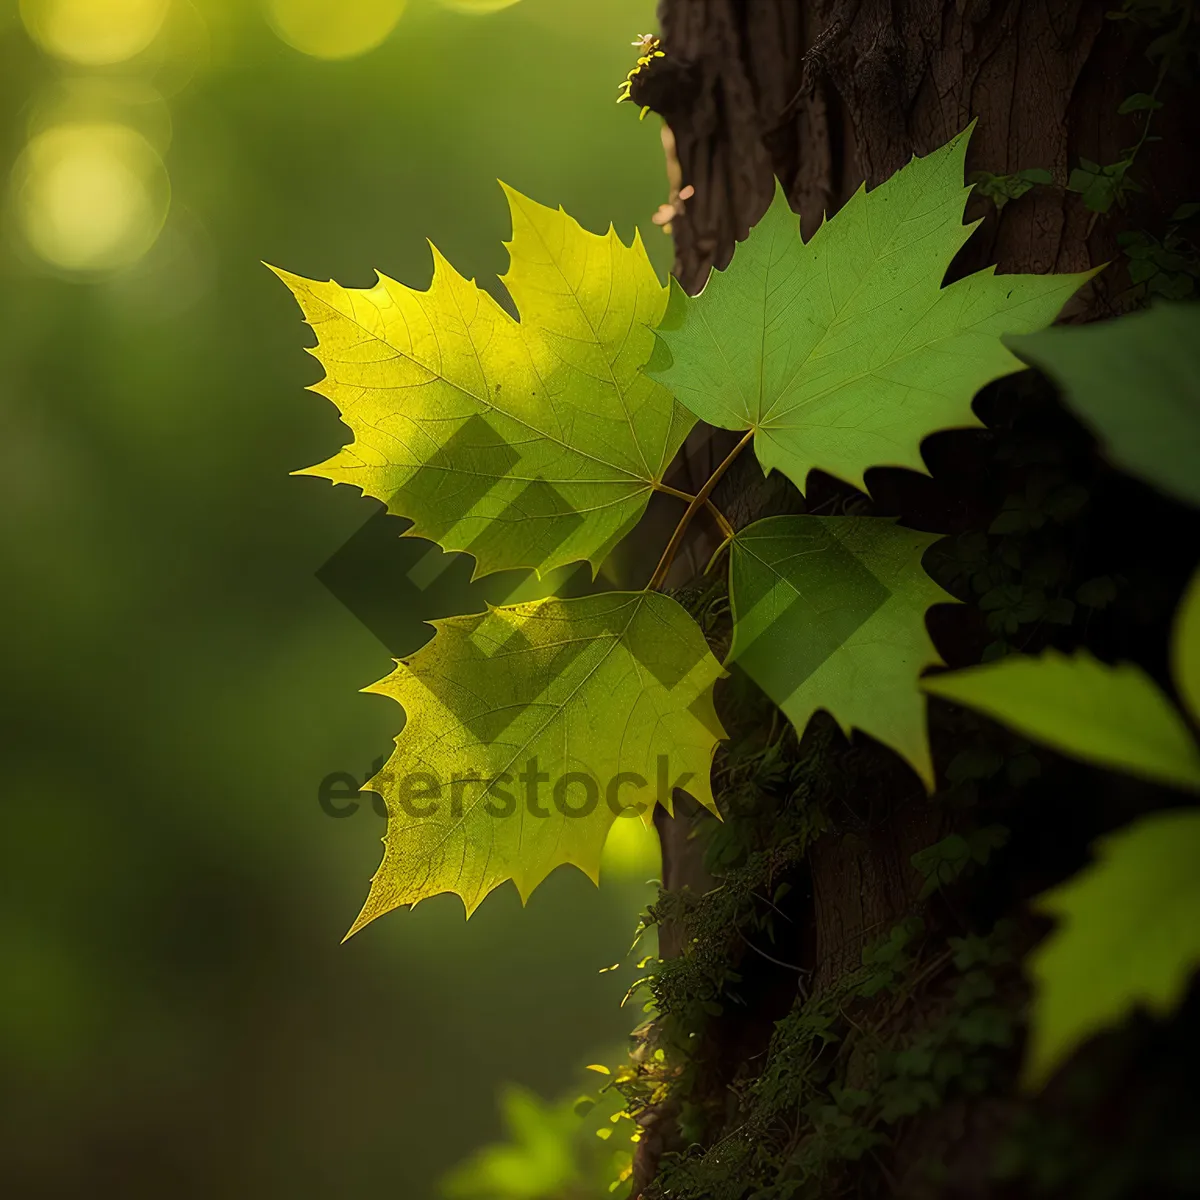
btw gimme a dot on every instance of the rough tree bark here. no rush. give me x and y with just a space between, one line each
827 94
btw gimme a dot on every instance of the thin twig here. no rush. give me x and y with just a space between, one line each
717 515
774 906
777 961
712 562
814 65
701 497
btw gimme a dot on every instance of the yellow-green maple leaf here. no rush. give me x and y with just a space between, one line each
601 688
845 352
531 443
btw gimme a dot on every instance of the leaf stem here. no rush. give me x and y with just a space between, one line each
712 562
700 498
717 515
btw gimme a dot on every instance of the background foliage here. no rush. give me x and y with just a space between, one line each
175 1008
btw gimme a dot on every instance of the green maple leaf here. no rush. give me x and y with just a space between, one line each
846 352
1111 716
1129 930
587 693
531 443
1152 358
1128 936
829 612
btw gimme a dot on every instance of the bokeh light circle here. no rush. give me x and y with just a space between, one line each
334 28
631 850
102 99
90 197
94 32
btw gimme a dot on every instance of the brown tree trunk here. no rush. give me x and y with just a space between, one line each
827 94
824 95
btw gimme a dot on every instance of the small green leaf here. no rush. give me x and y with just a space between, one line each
1060 611
1010 553
945 861
829 613
974 762
1141 269
994 651
1101 186
1153 356
942 863
1000 189
845 352
1046 568
1022 768
1011 520
1098 191
1097 593
983 841
1178 287
1065 502
1128 936
1138 102
1113 716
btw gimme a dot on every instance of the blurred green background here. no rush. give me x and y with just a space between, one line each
176 1013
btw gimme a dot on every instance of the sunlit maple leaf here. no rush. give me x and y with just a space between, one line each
531 443
529 730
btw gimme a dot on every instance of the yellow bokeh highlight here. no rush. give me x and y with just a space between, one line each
478 6
102 98
94 32
90 197
334 28
631 850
